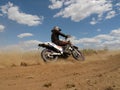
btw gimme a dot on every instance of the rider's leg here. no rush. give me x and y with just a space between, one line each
65 45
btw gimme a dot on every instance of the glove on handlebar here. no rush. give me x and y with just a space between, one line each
68 36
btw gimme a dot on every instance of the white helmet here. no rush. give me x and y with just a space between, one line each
56 28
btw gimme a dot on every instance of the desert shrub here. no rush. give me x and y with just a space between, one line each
70 85
109 88
47 85
23 64
93 51
89 51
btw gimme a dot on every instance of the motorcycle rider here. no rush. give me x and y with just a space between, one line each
56 32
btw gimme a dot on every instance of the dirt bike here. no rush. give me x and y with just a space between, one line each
52 52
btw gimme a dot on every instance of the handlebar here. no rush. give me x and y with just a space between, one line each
68 36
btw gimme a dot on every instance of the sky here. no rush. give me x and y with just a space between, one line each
91 23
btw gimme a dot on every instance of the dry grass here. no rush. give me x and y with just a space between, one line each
19 58
89 52
15 58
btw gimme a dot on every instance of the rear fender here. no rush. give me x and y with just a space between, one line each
43 45
48 47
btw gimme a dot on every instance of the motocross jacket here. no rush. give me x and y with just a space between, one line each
55 36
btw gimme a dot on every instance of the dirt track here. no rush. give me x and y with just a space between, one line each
100 72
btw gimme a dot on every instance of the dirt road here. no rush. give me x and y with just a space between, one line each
100 72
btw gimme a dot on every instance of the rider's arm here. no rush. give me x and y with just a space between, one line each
62 34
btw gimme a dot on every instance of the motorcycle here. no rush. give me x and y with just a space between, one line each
52 52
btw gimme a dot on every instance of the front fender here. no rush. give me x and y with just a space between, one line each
75 47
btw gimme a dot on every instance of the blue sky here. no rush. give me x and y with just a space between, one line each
92 23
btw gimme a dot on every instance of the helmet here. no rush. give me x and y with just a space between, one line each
56 28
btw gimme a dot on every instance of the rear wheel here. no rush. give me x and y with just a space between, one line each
47 56
78 55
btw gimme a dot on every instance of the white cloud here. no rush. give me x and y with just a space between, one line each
118 4
110 40
93 22
23 46
84 40
56 4
30 42
115 32
2 27
29 45
78 10
115 44
111 14
89 41
1 14
14 13
24 35
98 30
74 40
104 37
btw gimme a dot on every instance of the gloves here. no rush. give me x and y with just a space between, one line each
68 36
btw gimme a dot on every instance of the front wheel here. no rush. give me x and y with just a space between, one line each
47 56
78 55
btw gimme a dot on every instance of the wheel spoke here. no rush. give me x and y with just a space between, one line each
77 55
47 55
